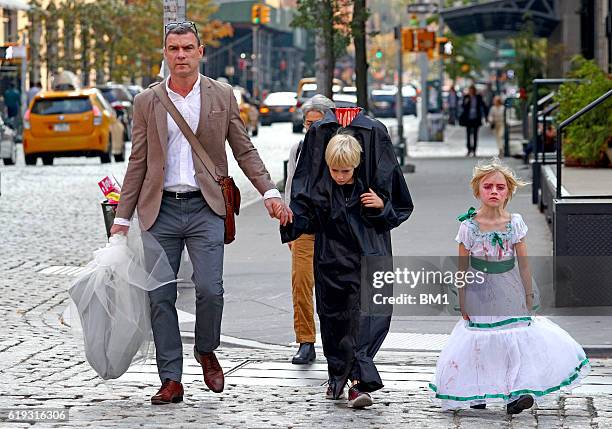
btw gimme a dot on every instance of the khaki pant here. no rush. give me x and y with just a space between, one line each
302 287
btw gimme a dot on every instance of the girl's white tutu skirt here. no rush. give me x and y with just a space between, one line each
497 360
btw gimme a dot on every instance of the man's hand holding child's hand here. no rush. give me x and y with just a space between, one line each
371 200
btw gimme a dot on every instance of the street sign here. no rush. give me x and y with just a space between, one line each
422 7
174 11
18 51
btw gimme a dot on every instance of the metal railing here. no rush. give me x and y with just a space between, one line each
539 155
560 129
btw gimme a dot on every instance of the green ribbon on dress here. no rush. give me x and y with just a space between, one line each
496 239
469 215
492 267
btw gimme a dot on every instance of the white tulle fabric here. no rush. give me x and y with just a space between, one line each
503 351
498 365
112 303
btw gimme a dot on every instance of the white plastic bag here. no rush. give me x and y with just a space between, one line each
112 302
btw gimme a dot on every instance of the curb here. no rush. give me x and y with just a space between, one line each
592 351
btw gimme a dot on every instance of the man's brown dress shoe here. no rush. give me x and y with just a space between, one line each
213 373
170 392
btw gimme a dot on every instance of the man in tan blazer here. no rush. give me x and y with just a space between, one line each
180 203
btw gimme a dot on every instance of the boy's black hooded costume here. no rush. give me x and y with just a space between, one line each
345 231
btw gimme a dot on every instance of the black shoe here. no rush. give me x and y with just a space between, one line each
305 354
479 406
522 403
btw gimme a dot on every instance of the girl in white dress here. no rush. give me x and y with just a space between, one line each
499 351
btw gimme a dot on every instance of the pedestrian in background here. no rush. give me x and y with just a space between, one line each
12 101
496 119
473 110
34 89
302 249
181 203
452 102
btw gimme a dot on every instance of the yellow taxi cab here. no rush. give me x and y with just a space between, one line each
248 112
72 123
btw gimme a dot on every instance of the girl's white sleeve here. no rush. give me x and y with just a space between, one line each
464 235
519 228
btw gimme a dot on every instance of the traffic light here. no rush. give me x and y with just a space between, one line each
426 40
379 54
260 14
441 41
256 14
265 14
407 40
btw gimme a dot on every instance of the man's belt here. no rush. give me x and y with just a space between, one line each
183 195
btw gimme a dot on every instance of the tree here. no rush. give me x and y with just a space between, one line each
330 21
36 16
358 29
119 40
464 61
530 60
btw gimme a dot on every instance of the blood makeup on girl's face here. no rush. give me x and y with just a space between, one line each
493 190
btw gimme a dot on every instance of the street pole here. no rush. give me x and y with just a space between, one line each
441 64
424 68
174 11
399 111
24 72
255 62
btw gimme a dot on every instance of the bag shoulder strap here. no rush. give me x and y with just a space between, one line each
162 96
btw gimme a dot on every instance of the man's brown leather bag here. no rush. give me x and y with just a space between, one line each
231 193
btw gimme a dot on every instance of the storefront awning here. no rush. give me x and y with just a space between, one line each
501 18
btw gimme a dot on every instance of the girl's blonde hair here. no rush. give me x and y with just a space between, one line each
343 150
495 165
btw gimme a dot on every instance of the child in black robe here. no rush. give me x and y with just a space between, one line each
351 213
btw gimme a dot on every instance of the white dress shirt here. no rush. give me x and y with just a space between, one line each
180 172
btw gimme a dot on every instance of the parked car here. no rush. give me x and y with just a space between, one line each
383 103
248 111
8 148
72 123
122 101
134 89
277 107
409 99
307 88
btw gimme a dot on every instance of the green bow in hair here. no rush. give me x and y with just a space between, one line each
496 239
469 215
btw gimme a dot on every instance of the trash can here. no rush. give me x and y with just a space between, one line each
108 211
436 127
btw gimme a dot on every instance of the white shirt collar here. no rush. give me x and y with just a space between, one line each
195 90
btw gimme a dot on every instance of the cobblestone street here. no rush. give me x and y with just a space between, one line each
51 216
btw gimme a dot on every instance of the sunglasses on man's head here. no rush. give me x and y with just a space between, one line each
187 25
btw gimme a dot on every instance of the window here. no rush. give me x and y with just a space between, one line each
60 106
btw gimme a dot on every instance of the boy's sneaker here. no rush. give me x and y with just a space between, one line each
522 403
358 399
329 393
